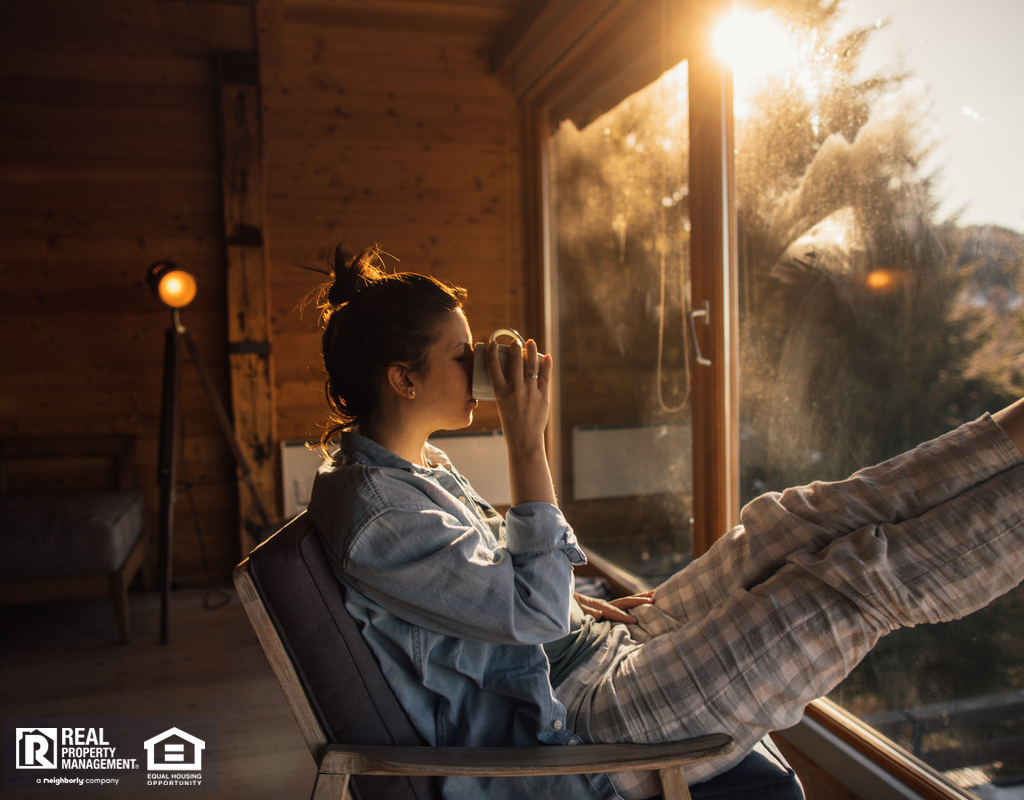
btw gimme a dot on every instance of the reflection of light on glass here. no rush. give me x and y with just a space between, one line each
753 46
758 46
971 114
882 281
836 229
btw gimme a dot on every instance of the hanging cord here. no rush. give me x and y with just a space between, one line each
667 99
661 350
211 587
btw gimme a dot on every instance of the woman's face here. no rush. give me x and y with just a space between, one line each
444 390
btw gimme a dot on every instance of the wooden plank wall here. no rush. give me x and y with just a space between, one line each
386 128
379 125
109 162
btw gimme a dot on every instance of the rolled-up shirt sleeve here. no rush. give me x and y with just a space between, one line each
423 562
432 571
539 527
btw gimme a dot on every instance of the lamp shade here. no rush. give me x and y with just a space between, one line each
175 287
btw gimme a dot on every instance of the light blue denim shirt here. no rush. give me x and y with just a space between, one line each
455 603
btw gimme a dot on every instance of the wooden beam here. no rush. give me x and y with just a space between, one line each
515 32
248 287
270 40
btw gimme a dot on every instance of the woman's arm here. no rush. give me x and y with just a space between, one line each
523 410
430 569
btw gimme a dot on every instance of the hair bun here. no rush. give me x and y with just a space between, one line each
351 273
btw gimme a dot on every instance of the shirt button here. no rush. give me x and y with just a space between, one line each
557 724
462 499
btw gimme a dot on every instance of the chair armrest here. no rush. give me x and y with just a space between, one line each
542 760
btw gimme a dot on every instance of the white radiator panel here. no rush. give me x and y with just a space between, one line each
630 460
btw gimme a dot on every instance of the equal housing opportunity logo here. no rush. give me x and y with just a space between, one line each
110 752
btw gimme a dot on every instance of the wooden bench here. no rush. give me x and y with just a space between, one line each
71 524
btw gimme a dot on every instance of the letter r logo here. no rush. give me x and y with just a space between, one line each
36 748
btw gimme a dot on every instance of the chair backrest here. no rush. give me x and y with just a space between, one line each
330 677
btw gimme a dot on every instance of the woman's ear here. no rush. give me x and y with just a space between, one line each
400 379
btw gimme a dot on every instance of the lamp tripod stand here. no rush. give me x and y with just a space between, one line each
167 472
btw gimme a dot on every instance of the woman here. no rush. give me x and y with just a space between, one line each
473 618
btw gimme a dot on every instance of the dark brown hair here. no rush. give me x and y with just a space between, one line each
373 319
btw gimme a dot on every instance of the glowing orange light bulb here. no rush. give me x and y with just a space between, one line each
177 288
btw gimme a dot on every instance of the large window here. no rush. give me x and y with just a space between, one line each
870 284
881 271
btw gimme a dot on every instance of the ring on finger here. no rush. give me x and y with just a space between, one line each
533 375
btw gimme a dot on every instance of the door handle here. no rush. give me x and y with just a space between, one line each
705 313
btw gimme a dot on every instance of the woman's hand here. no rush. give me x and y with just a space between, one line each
602 609
522 398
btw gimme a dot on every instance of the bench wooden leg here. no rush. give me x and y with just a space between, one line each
119 590
119 597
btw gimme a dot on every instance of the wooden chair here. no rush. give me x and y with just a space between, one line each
71 522
351 720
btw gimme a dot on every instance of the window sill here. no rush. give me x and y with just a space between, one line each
867 763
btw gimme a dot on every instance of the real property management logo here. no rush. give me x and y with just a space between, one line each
36 748
129 753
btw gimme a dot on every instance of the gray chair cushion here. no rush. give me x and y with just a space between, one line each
72 533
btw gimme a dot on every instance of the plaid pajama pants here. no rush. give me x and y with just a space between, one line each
783 607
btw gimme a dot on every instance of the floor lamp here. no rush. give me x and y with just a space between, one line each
177 288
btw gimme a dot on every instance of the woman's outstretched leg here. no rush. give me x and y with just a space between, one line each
808 518
751 663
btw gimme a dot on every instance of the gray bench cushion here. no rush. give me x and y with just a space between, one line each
67 533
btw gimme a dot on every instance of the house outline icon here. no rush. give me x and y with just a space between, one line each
165 759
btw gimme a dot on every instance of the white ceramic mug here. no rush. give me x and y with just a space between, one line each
482 387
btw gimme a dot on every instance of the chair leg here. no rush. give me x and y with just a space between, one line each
330 786
119 587
673 784
119 597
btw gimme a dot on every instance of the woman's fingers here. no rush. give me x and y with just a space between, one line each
525 362
600 609
642 599
546 365
532 361
614 611
498 379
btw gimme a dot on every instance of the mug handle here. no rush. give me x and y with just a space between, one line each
508 332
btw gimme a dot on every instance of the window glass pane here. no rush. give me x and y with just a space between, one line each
881 239
622 226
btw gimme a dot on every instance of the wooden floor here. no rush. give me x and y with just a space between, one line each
63 659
